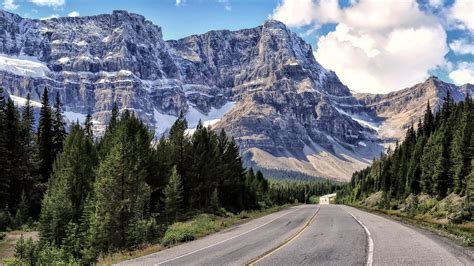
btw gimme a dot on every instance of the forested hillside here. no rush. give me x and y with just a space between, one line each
92 196
434 164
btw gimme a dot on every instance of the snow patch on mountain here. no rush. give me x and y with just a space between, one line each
20 101
23 65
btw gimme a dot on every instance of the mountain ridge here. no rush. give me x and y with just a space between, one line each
262 85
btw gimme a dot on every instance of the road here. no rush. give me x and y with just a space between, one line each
310 235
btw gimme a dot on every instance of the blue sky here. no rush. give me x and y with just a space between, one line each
429 36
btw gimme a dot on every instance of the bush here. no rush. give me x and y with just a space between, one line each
314 200
187 231
28 252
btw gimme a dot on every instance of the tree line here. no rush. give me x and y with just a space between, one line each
436 158
97 195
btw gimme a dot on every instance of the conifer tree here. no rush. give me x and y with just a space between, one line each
460 156
120 193
173 195
180 152
45 137
13 153
88 126
4 178
428 120
58 129
69 186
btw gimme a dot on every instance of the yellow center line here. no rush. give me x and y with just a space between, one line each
268 253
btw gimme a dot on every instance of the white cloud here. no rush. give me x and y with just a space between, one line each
462 46
464 73
50 16
377 46
73 14
461 14
178 2
10 5
226 4
295 13
51 3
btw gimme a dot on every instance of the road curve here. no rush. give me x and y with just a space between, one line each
236 245
338 237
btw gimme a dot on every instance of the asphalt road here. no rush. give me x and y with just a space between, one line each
236 245
336 235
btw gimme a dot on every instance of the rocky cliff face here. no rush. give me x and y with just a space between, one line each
261 85
402 108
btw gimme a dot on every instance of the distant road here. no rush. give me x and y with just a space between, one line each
336 235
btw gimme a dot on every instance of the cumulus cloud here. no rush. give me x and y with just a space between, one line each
464 73
461 14
50 16
10 5
295 13
73 14
462 46
377 46
51 3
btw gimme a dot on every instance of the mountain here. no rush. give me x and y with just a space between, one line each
262 85
400 109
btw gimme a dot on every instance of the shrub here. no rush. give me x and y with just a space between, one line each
28 252
187 231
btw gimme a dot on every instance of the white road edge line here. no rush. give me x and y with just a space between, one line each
225 240
370 255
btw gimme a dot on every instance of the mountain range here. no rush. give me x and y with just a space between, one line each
261 85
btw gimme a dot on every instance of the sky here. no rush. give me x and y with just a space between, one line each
374 46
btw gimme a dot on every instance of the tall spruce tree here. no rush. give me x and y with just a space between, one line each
180 154
58 129
45 137
13 149
120 193
172 196
69 186
4 178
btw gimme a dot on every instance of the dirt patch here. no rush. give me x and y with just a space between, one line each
7 245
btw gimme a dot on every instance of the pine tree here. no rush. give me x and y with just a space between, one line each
30 163
4 178
428 121
120 193
58 129
460 148
88 126
180 152
45 137
13 153
173 195
69 186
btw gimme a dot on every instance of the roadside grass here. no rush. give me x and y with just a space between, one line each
180 232
460 233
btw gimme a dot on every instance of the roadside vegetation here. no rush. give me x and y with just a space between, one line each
429 178
90 197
